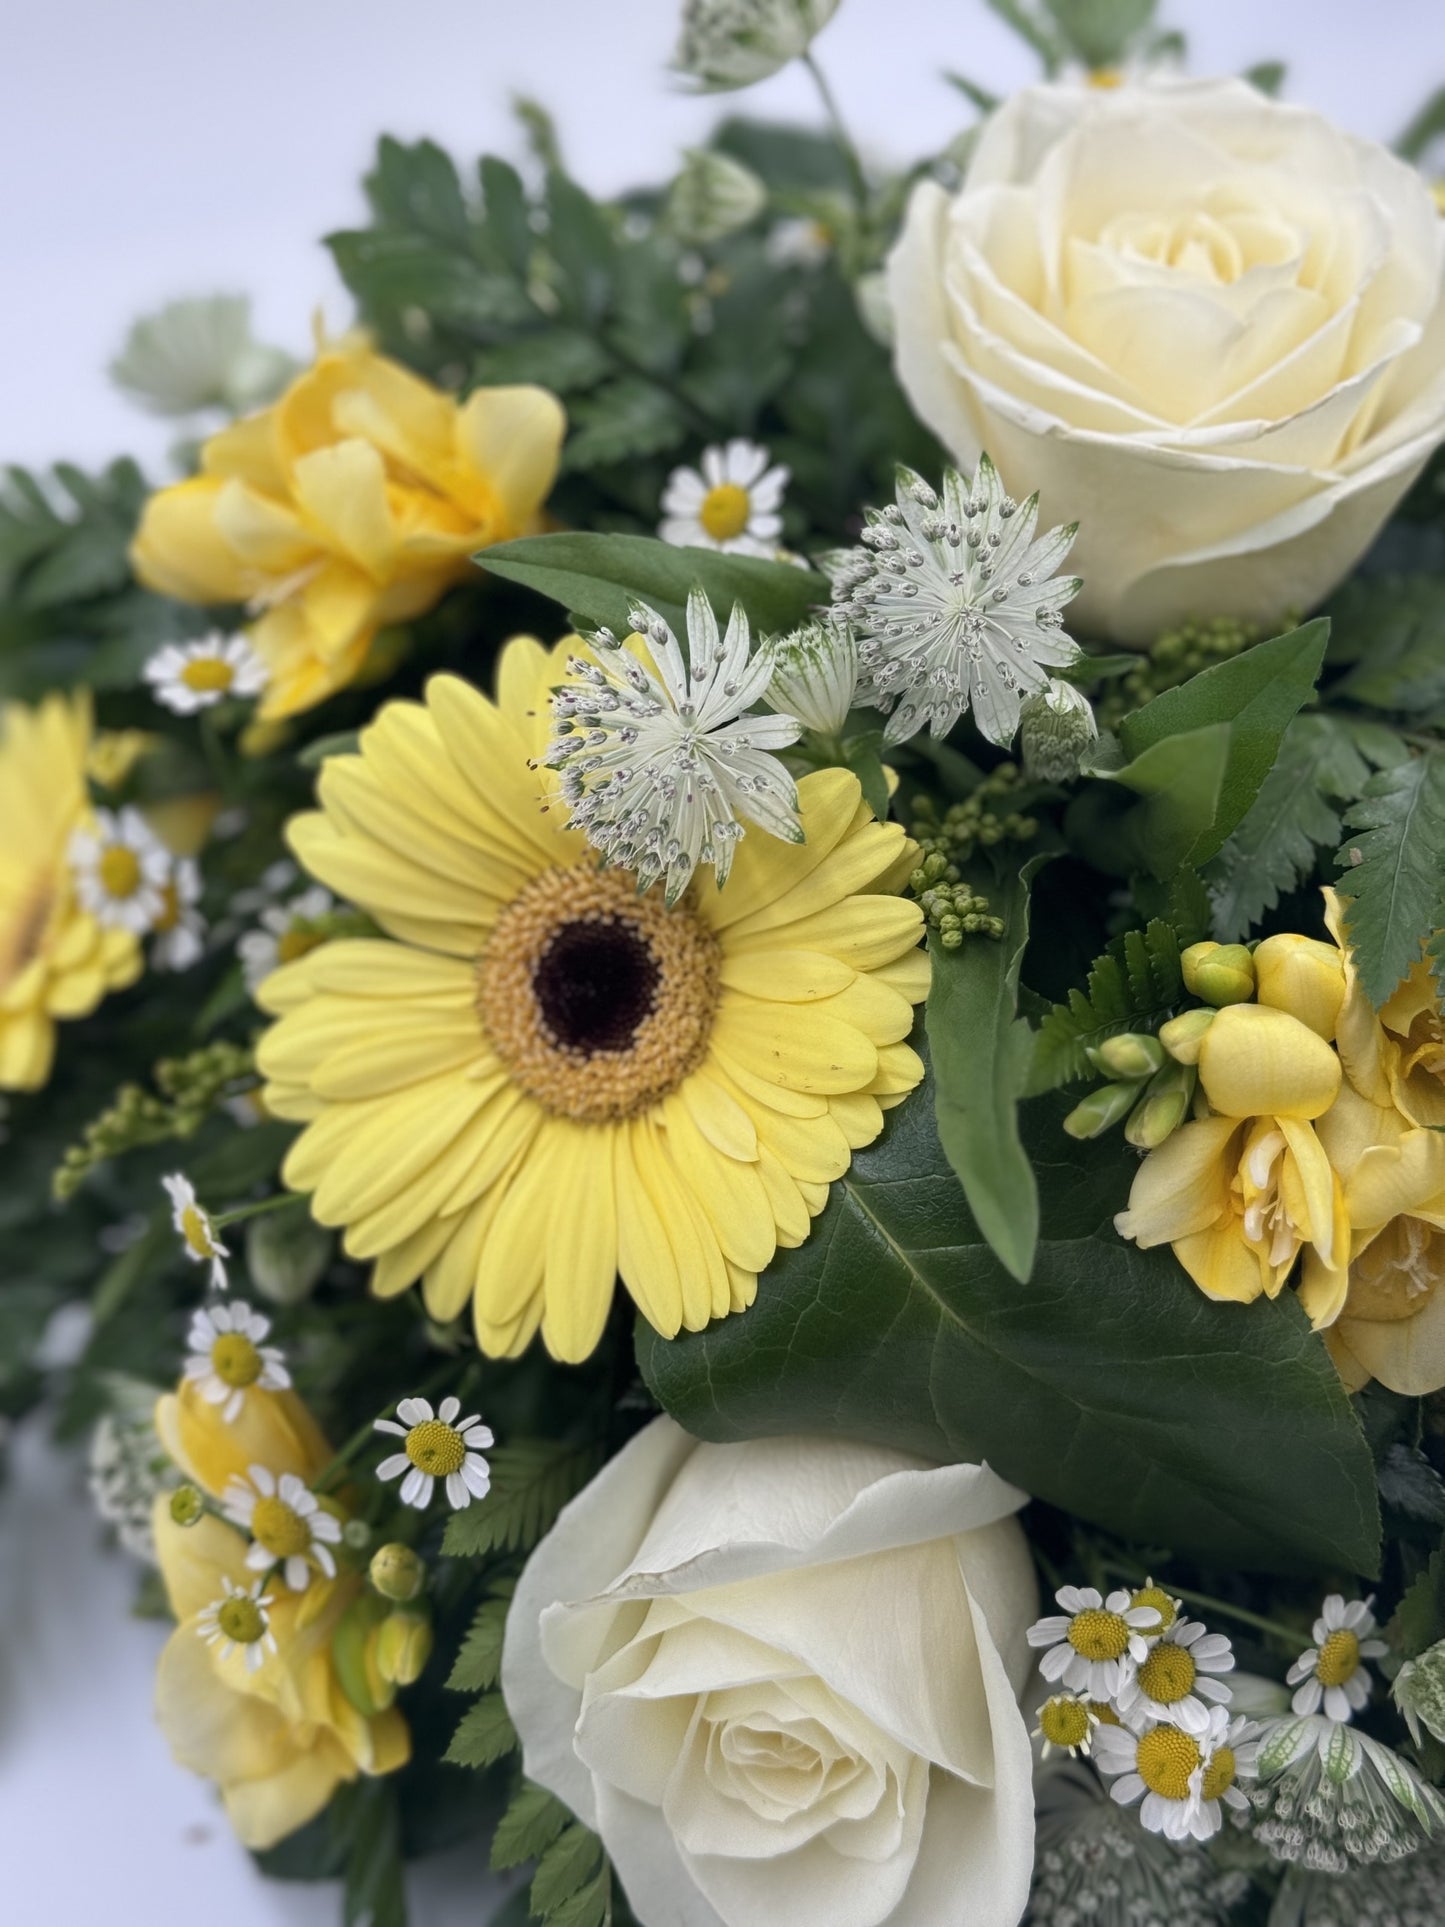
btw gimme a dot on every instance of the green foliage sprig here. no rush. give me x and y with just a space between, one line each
187 1090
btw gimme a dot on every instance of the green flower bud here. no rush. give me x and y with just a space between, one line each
1100 1109
403 1647
1419 1692
1163 1107
187 1505
713 196
397 1572
1220 973
1130 1055
356 1533
1182 1036
1056 732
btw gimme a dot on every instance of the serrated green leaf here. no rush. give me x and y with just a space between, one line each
398 275
1392 630
626 418
1419 1619
1392 874
415 185
580 240
589 1906
504 201
893 1322
530 1824
562 359
1135 985
532 1479
484 1735
479 1662
569 1864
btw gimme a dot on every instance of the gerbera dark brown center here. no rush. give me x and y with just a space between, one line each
598 1001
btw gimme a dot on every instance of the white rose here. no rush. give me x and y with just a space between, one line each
1209 325
780 1680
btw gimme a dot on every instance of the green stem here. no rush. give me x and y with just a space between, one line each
241 1212
858 180
1272 1628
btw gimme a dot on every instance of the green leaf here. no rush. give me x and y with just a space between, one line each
375 1888
532 1479
1426 127
981 1052
479 1663
569 1864
562 359
401 278
484 1735
1181 781
1135 985
1108 1384
416 187
1392 871
589 1906
980 97
342 742
580 240
1266 75
1419 1619
1100 33
599 578
530 1824
1392 629
1409 1484
626 418
509 226
1295 815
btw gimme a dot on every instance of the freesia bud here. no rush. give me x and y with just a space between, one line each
397 1572
1100 1109
1131 1054
1182 1036
1163 1107
1304 977
354 1654
1255 1061
187 1505
1220 973
403 1647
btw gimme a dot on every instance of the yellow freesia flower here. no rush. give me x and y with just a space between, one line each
56 959
273 1729
1240 1194
545 1079
274 1429
1392 1322
352 502
1396 1055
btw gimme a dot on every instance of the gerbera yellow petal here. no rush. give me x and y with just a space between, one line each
501 1134
452 1274
400 1267
850 868
391 1141
794 1045
362 806
858 1116
729 1190
765 869
865 931
754 1090
581 1240
723 1120
813 1150
424 1045
786 976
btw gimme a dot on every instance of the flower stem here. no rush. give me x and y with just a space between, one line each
1272 1628
243 1211
857 178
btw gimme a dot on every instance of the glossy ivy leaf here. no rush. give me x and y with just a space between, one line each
1392 873
1107 1384
600 577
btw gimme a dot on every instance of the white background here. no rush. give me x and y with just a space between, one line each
152 148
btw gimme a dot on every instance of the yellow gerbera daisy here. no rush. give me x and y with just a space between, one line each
56 959
548 1079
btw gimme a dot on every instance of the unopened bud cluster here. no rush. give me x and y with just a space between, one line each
979 822
187 1090
1172 659
954 910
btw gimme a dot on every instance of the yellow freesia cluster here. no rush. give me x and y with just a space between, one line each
353 502
278 1737
1313 1140
56 958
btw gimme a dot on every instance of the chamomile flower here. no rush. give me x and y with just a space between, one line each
1329 1797
121 869
287 1524
730 505
956 604
1331 1672
1094 1644
228 1356
284 932
1183 1779
180 929
815 675
437 1445
241 1618
189 676
659 759
1177 1679
193 1222
1067 1723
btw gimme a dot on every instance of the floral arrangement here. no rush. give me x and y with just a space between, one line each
757 1181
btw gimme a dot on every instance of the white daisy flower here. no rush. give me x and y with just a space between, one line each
285 932
437 1445
241 1618
815 675
731 505
658 761
187 676
954 606
228 1357
1094 1645
287 1524
800 241
193 1222
1175 1681
180 930
1331 1797
1066 1724
1185 1779
1330 1672
121 869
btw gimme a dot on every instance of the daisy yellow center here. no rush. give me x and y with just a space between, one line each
1104 1713
436 1448
1339 1657
207 673
1219 1774
1167 1674
1159 1600
1064 1722
197 1232
725 510
119 871
282 1531
599 1001
235 1360
1166 1760
1097 1634
241 1620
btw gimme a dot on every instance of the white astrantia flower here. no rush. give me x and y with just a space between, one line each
732 43
437 1445
731 504
1184 1780
180 930
288 1526
956 605
228 1356
659 759
193 1222
1331 1673
1178 1680
240 1619
815 675
187 676
284 932
121 869
1328 1797
1419 1692
1095 1643
1405 1893
199 353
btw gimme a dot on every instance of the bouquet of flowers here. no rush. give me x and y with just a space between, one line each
758 1181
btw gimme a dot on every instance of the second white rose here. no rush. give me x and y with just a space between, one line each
1209 326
